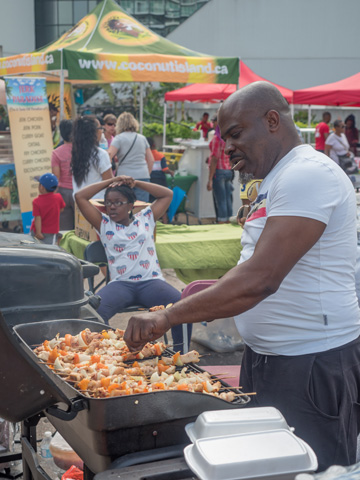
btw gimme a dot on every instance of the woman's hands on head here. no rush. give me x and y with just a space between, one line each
123 180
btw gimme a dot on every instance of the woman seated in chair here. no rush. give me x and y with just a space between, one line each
128 240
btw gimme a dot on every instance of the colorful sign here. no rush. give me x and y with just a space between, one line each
108 45
30 135
53 95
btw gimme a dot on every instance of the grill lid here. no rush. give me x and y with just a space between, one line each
33 276
25 390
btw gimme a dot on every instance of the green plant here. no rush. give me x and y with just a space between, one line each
173 130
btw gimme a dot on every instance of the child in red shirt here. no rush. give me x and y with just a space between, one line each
46 210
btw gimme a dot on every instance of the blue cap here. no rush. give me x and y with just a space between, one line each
48 180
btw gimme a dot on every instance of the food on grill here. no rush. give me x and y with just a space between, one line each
94 362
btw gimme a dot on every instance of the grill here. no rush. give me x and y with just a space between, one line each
100 430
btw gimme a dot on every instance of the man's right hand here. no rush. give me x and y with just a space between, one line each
145 328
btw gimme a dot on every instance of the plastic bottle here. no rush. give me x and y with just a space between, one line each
103 142
47 458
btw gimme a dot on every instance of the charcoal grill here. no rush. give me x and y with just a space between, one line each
99 429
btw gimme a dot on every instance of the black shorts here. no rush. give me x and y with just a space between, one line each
318 394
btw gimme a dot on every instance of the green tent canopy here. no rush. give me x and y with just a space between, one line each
108 45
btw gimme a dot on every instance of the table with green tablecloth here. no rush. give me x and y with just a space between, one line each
195 252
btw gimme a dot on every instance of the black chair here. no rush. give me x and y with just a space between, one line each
95 253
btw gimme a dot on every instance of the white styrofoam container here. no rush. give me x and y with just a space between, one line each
270 455
230 422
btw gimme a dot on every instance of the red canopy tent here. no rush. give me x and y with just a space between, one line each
213 93
345 92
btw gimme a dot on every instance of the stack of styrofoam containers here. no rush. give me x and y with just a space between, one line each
249 443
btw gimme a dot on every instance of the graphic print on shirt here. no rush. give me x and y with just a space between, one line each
145 264
258 208
130 250
148 213
104 220
141 240
131 235
135 277
133 255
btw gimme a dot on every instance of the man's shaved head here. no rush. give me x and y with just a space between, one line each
257 127
260 97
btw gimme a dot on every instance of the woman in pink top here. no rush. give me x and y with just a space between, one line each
109 125
60 165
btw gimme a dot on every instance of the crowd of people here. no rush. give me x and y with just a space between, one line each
341 144
106 158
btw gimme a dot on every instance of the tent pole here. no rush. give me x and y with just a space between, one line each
309 121
61 87
292 110
141 106
164 124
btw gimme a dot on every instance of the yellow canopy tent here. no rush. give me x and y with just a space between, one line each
109 45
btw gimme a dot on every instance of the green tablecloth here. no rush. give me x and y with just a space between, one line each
194 251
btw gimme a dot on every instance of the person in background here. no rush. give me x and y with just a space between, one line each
60 166
46 210
338 149
160 168
135 272
89 162
204 125
220 177
248 194
109 124
322 131
293 290
351 133
133 152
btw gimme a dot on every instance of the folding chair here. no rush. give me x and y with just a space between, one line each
190 289
95 253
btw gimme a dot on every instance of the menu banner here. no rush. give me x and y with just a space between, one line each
31 137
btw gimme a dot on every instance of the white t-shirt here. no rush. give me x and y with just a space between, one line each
134 163
131 249
95 173
315 308
339 145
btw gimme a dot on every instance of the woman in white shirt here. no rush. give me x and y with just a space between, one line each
133 152
89 163
336 143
